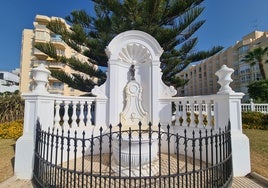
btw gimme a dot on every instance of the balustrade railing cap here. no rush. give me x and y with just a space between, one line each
40 77
41 68
224 75
224 70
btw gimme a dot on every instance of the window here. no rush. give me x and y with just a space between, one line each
41 35
57 85
2 76
56 38
243 49
60 52
236 72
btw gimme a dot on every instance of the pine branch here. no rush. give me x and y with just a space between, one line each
75 81
172 23
47 48
85 68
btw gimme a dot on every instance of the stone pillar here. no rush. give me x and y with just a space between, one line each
228 108
101 112
35 104
155 118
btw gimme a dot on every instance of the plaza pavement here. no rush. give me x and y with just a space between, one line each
238 182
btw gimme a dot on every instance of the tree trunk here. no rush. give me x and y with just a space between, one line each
261 66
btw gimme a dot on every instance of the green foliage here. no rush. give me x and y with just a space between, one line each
12 129
47 48
258 91
256 56
254 120
172 23
12 107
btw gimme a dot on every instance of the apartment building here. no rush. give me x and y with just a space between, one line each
201 75
9 81
32 57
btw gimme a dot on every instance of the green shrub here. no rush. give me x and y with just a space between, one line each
12 129
254 120
12 107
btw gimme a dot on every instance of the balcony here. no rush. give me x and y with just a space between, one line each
50 78
39 54
56 65
36 63
58 42
49 64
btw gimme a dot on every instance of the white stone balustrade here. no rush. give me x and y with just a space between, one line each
195 111
219 110
73 112
263 108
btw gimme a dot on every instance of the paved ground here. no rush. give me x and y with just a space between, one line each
238 182
252 181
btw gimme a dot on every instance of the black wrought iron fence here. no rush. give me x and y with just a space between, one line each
142 156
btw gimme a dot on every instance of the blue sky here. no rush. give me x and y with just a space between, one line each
227 21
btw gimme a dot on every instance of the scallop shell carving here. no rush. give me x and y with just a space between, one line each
135 53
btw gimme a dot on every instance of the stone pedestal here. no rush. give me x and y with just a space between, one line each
227 105
131 159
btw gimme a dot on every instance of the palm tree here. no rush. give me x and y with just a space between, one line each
256 56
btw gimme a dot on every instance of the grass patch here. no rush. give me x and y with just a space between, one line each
7 153
258 150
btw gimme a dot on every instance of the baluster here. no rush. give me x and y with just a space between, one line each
184 111
195 115
192 111
204 107
209 108
81 115
88 122
212 114
66 116
74 116
200 115
57 114
177 116
204 113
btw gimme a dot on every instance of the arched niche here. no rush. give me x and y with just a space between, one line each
143 51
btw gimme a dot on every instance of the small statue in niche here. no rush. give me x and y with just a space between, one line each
132 72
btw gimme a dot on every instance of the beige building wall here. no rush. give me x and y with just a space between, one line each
201 75
26 59
31 57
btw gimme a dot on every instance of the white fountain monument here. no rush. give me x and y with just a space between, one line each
134 92
139 51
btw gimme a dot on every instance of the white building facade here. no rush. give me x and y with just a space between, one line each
9 81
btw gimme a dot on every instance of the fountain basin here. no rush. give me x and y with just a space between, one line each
137 151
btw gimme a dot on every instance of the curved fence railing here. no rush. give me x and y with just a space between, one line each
142 156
